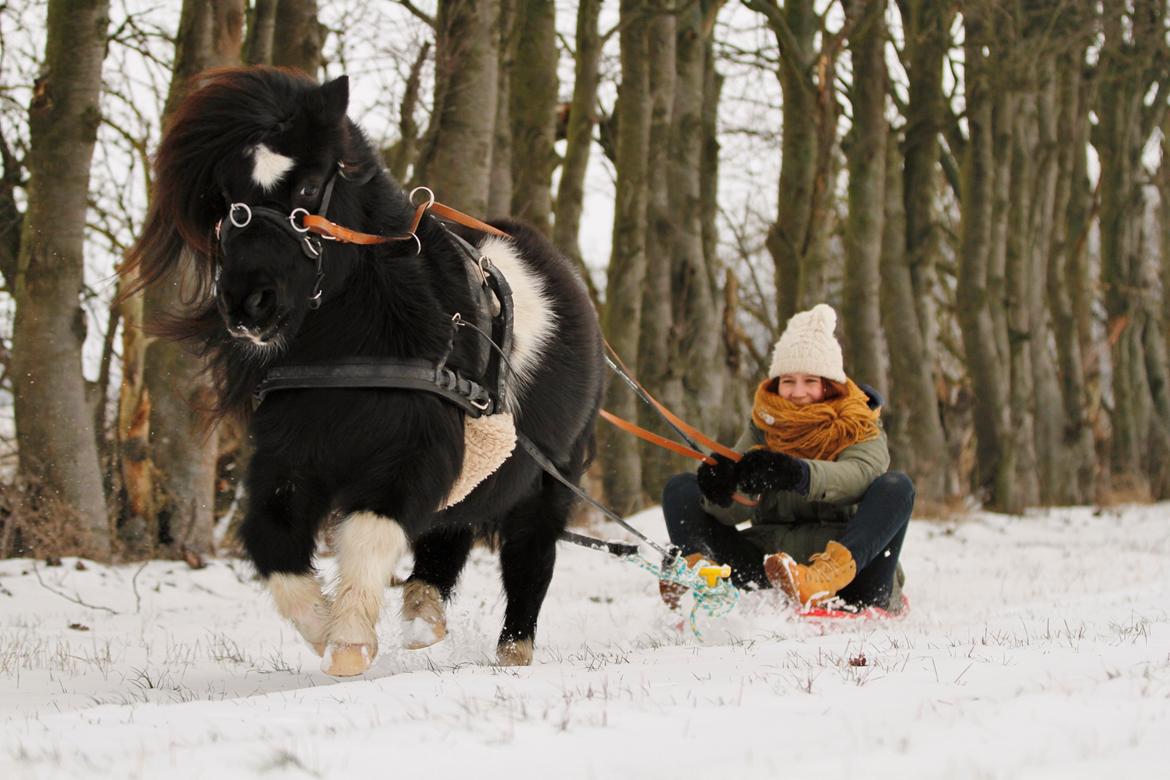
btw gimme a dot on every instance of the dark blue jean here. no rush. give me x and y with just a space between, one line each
873 536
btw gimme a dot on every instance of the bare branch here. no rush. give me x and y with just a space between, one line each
418 13
67 597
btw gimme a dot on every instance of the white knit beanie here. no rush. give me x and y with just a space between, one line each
807 346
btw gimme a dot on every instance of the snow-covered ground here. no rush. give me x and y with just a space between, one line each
1036 647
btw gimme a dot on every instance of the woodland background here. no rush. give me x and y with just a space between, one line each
980 188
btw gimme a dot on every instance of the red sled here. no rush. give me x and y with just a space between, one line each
869 613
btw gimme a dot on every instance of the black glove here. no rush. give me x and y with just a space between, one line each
763 470
717 480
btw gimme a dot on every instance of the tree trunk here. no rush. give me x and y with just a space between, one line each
457 155
627 266
501 181
1068 277
994 467
1025 488
297 36
579 141
54 427
168 457
797 240
658 366
864 348
917 442
10 215
1127 70
927 28
1052 454
697 332
728 407
261 28
534 112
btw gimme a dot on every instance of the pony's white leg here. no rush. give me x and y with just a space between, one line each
299 599
368 547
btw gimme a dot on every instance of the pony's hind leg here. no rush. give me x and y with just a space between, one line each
530 534
368 547
439 556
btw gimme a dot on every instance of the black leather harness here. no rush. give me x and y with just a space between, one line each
482 393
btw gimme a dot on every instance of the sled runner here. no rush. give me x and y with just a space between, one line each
823 613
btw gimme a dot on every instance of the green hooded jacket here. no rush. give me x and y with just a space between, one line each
784 520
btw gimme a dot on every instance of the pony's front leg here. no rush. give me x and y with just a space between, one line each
279 534
368 547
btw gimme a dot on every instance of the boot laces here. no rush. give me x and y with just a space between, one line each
822 566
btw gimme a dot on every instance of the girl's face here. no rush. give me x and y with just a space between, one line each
801 389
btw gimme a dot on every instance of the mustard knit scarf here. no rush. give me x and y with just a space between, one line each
819 431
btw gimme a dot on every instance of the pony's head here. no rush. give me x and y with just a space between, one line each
245 156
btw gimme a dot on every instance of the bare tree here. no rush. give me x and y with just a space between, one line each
168 458
261 28
1133 60
533 112
53 423
627 267
297 36
866 151
456 157
579 142
500 183
798 239
658 368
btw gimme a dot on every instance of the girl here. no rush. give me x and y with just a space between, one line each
830 520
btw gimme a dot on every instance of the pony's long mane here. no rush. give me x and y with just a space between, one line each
225 111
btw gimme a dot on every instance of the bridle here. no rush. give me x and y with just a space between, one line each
309 230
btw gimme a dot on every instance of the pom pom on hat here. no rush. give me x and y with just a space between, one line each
807 346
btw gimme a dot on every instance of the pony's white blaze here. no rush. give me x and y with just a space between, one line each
269 167
534 319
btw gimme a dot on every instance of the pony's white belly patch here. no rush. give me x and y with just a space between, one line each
534 321
269 167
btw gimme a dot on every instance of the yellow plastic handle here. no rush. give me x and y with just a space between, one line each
712 574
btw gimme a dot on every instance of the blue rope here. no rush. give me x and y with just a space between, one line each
715 601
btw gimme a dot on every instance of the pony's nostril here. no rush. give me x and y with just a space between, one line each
259 303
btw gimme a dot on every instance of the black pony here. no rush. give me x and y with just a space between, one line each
246 158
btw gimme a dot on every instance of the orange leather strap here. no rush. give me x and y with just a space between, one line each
681 424
334 232
673 446
331 230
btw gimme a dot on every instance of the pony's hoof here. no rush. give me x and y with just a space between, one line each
344 660
424 621
515 653
318 648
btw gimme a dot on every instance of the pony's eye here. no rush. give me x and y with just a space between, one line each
309 190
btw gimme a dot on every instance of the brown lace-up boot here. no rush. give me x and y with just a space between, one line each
816 583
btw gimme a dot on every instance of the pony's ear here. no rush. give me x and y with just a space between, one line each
335 99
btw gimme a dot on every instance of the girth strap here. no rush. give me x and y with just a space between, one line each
385 373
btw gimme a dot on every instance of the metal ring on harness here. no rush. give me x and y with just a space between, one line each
247 212
429 192
292 220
